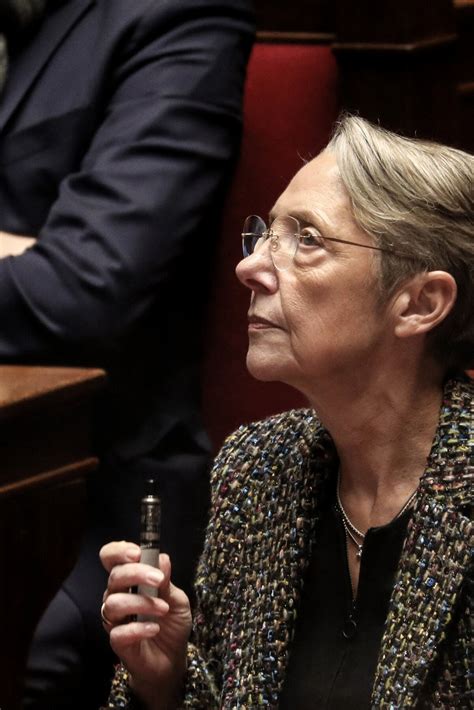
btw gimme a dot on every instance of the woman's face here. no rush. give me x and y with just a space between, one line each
320 317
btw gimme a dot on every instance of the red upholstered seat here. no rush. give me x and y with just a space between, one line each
290 106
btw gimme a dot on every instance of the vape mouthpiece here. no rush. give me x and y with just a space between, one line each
151 488
150 517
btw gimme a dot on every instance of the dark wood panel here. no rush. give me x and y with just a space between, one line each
24 387
465 117
380 48
393 21
411 94
313 16
45 454
464 12
380 21
43 440
60 475
465 73
400 65
45 418
40 534
296 37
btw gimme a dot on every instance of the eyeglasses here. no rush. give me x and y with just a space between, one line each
287 240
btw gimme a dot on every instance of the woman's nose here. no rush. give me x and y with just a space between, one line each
257 272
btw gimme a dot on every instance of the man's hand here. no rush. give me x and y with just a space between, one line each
14 244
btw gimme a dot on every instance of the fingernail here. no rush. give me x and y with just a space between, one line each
132 553
154 577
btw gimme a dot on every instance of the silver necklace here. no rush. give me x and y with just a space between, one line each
351 535
350 528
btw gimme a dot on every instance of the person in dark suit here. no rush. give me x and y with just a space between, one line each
119 126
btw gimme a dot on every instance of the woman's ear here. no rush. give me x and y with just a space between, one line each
424 302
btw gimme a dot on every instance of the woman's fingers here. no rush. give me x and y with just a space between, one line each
128 575
174 595
119 605
118 608
121 559
119 553
165 567
124 637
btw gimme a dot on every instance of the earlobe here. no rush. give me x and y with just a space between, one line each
424 302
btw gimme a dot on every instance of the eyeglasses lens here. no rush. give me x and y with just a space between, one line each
282 237
283 249
253 234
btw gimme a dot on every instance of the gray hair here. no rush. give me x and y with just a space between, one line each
418 197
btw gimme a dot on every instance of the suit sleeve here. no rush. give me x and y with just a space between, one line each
154 169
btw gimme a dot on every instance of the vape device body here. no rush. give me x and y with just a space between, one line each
150 523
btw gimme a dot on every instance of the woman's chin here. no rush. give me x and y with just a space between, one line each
263 367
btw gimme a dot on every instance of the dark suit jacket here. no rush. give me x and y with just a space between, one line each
119 125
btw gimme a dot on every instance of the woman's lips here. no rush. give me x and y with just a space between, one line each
258 323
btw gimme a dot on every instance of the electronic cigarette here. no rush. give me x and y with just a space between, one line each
150 522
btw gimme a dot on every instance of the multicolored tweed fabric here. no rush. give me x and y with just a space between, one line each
266 484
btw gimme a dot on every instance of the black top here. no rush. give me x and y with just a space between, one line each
337 639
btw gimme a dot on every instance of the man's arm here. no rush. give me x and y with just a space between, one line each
156 164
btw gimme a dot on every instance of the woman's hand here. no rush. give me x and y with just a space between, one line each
153 652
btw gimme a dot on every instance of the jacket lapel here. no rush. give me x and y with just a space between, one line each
434 561
34 58
306 476
295 468
422 605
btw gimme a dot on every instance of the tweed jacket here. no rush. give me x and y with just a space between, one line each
266 485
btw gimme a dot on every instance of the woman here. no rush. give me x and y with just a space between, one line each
335 569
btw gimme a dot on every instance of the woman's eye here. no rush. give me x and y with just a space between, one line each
311 239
